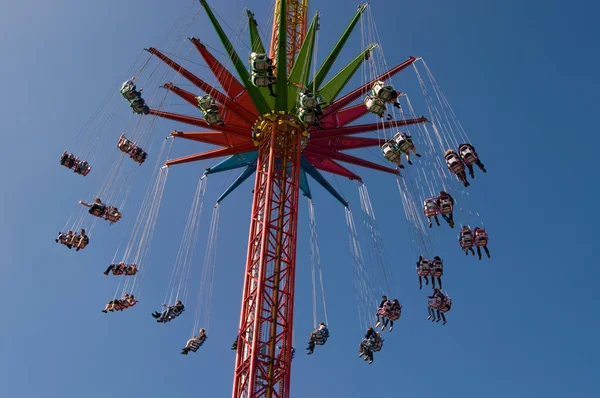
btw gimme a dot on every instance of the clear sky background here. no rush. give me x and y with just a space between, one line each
521 76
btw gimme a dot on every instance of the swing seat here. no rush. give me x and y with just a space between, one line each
446 206
373 344
81 242
434 303
308 101
139 106
481 238
140 156
68 161
481 241
170 316
446 305
261 79
260 62
454 163
466 241
375 105
97 210
320 337
308 116
385 310
395 313
212 116
390 153
129 91
437 271
83 170
430 208
113 214
468 156
205 102
196 344
385 93
402 142
423 270
125 145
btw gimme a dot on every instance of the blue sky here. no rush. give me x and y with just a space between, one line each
520 76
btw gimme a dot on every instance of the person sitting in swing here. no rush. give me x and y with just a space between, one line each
117 269
456 166
481 240
370 345
437 297
430 209
82 167
65 239
363 346
127 301
131 269
469 157
115 304
423 270
80 241
67 160
437 270
394 314
97 208
406 145
380 310
445 203
194 343
465 239
171 312
318 336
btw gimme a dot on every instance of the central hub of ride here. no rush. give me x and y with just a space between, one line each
286 124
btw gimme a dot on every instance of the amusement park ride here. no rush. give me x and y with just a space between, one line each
283 123
267 135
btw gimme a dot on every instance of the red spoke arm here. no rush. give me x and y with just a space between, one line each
353 95
229 116
324 163
186 95
351 159
202 85
346 143
230 84
345 116
215 153
194 121
214 138
362 128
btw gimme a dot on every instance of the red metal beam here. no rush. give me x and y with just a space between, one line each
229 117
346 143
266 322
207 88
234 89
194 121
350 159
212 137
344 116
186 95
215 153
362 128
326 164
353 95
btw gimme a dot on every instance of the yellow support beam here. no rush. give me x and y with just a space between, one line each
297 13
